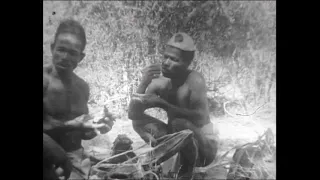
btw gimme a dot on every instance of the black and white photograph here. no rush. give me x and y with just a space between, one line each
159 90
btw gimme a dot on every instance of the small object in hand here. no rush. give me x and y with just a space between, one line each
89 135
104 129
108 120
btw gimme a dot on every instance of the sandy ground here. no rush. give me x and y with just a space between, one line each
232 131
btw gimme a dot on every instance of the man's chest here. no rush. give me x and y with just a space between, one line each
180 96
65 102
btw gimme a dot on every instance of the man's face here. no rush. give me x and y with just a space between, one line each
173 64
67 52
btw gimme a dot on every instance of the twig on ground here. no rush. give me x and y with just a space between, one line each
253 112
119 155
238 114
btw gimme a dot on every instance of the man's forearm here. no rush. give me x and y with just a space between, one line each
135 110
192 115
51 124
141 88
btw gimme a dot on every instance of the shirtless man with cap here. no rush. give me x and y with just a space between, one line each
184 100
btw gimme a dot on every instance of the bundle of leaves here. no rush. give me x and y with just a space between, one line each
251 161
254 160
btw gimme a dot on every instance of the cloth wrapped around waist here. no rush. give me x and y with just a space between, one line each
210 131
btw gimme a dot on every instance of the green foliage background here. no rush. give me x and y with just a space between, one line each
236 47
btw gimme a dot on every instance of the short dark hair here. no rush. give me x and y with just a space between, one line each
73 27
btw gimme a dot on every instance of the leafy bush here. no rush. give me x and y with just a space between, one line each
235 42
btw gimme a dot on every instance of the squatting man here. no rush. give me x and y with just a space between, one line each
181 92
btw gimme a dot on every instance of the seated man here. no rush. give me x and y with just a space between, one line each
65 97
185 103
54 159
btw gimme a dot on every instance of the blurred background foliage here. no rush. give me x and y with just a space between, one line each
236 47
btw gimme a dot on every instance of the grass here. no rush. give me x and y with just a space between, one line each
112 69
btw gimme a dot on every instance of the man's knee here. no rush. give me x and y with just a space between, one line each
157 130
208 151
135 110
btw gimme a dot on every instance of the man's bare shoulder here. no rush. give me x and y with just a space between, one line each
81 83
47 68
196 80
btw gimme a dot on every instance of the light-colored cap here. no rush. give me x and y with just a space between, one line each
182 41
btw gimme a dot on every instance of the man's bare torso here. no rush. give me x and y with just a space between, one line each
180 95
64 102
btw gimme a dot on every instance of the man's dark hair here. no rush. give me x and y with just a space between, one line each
73 27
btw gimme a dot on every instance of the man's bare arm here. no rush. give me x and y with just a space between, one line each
198 107
49 123
141 88
149 73
193 115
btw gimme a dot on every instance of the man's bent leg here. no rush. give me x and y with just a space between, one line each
188 158
210 146
206 139
188 155
149 126
81 165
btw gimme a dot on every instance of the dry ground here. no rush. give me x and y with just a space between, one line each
233 131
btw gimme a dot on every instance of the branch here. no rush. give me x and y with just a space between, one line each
253 112
195 11
154 5
238 114
220 73
118 155
225 109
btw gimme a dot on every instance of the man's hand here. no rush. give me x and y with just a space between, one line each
106 118
92 129
64 170
149 73
159 86
152 100
109 121
83 122
86 124
147 137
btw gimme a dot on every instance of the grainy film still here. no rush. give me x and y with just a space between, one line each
159 90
